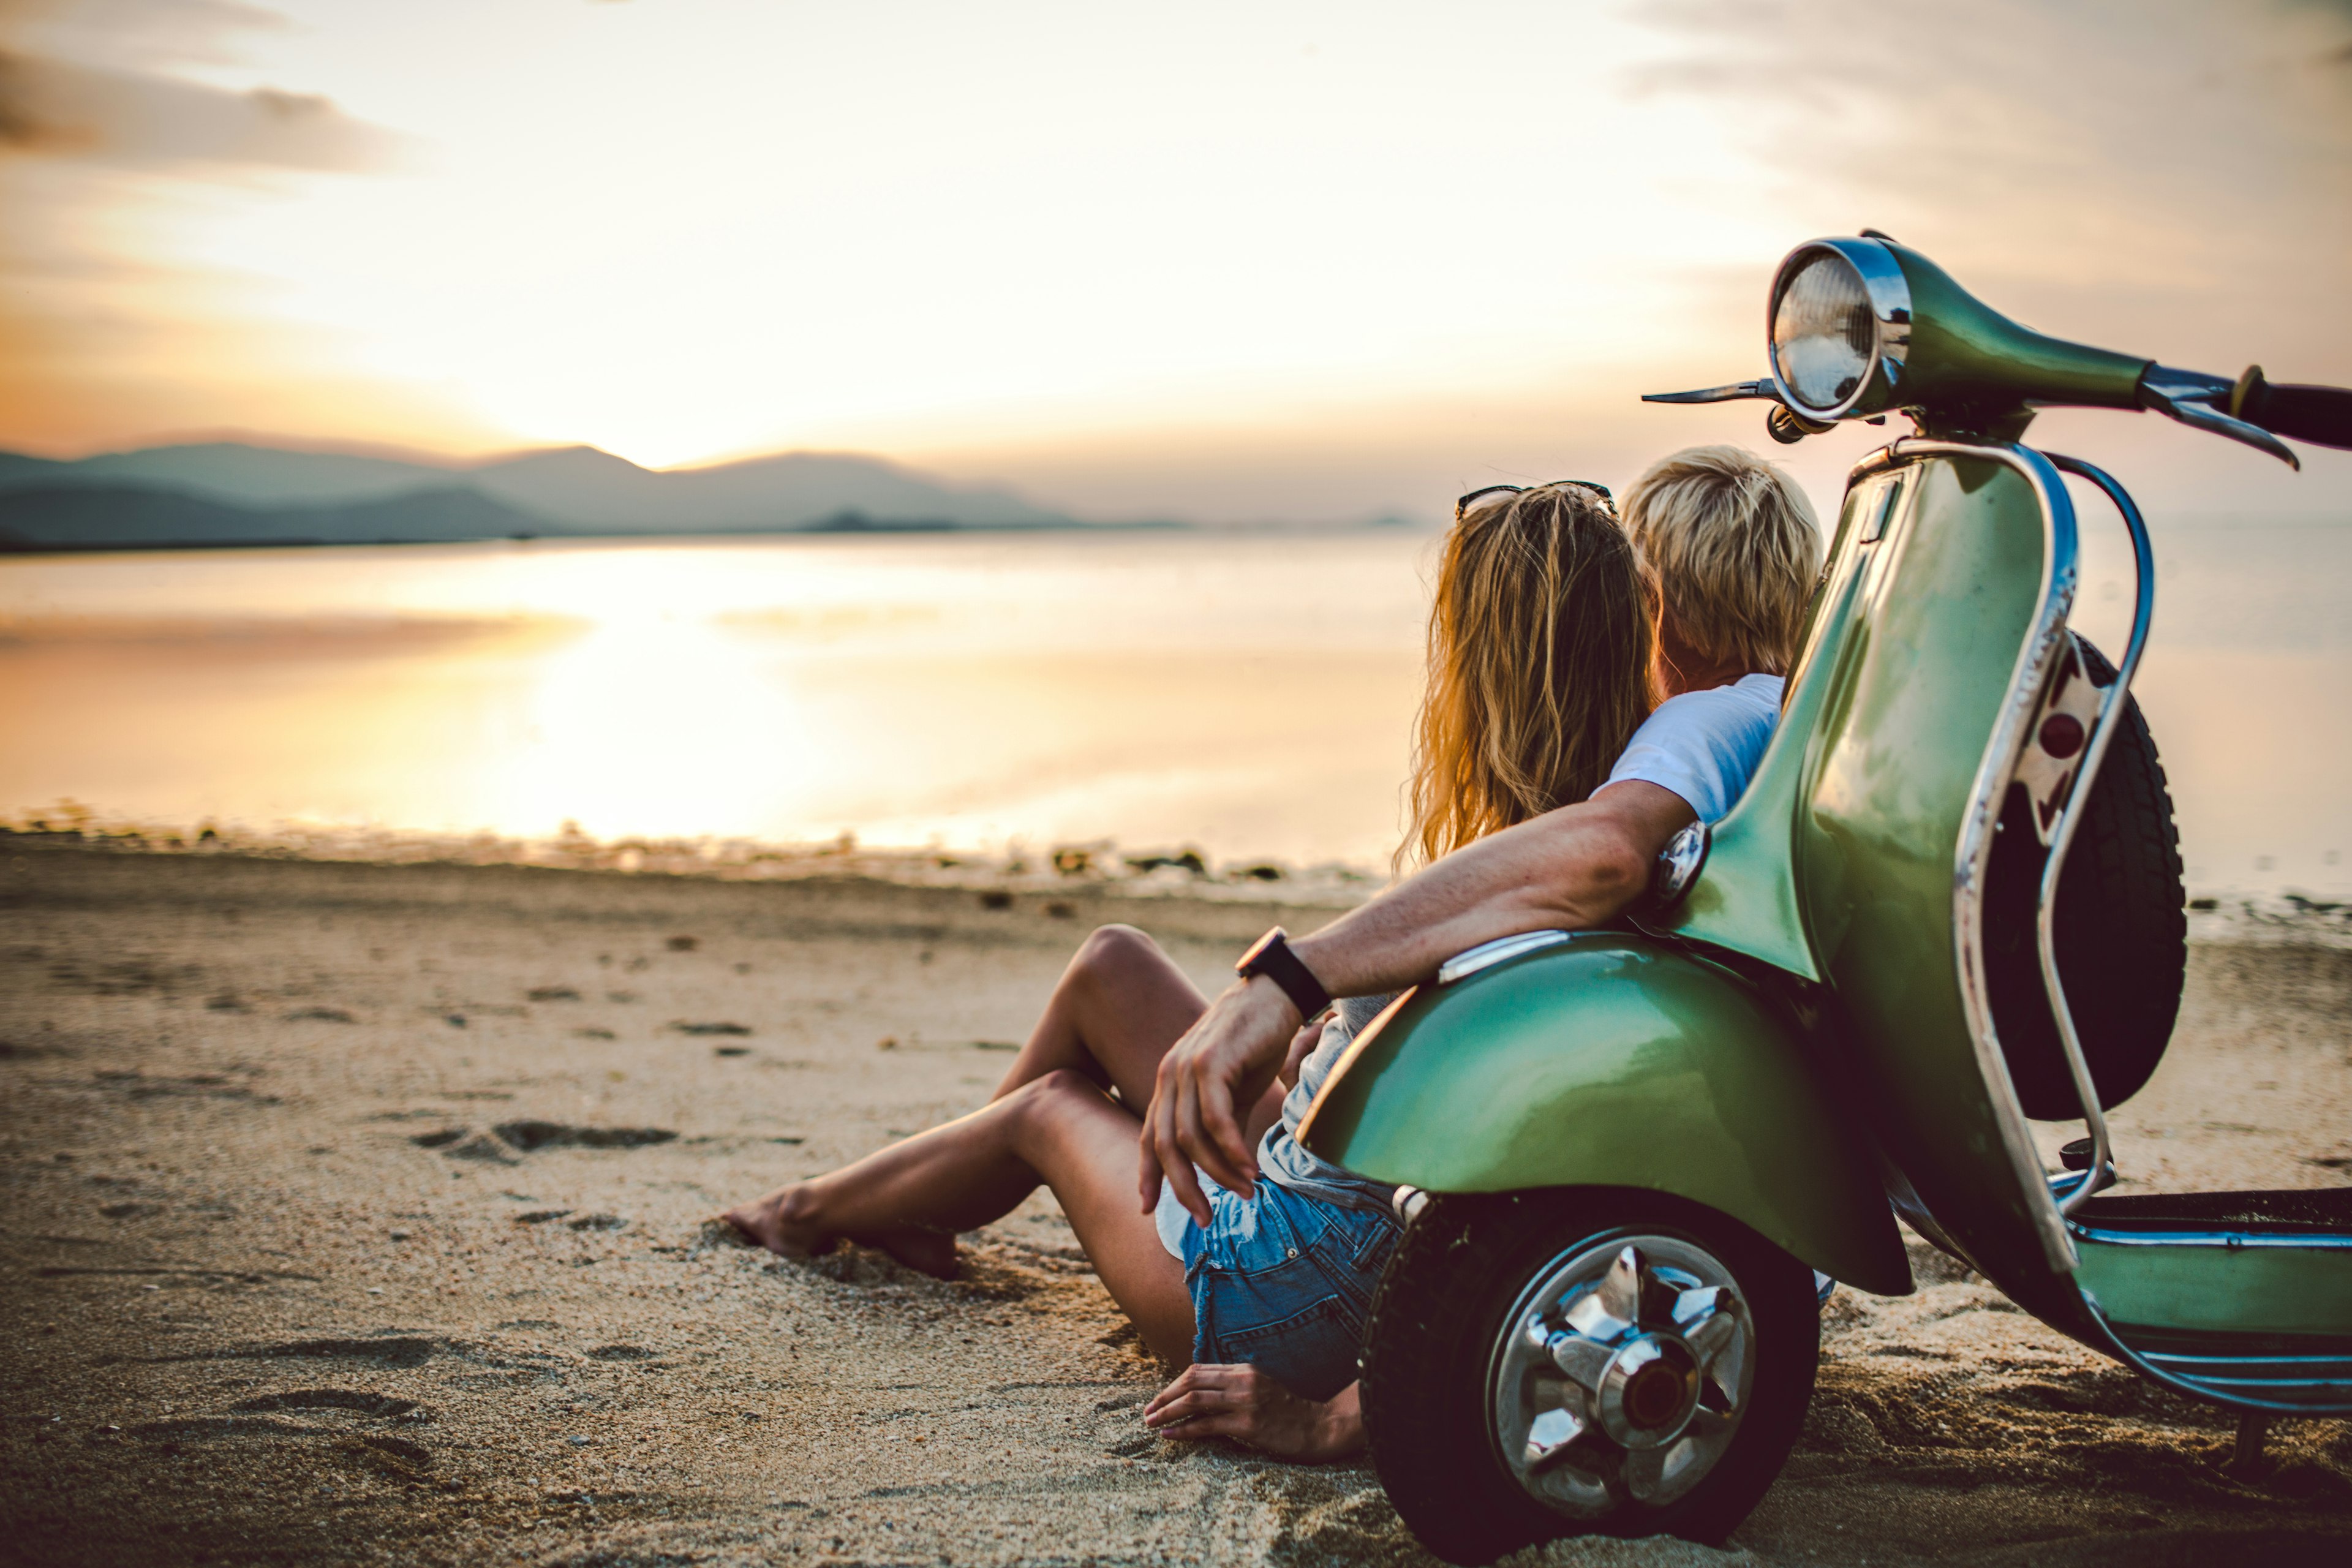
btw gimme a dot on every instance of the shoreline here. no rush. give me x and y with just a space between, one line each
1101 866
1096 868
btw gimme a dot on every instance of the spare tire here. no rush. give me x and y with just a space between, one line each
2121 928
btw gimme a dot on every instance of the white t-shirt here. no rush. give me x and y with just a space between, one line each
1705 745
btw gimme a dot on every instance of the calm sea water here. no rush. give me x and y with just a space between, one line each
1248 695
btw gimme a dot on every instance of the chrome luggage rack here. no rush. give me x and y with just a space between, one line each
2100 1171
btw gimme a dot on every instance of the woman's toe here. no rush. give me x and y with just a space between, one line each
728 1229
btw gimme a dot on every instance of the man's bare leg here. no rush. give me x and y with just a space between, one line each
910 1198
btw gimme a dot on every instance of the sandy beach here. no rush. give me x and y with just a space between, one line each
356 1214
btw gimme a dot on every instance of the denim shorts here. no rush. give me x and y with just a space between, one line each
1283 1282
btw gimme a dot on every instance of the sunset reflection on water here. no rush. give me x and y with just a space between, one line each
1249 694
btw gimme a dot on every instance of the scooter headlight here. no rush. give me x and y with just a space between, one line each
1840 318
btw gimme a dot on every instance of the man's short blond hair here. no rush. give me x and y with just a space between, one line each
1730 546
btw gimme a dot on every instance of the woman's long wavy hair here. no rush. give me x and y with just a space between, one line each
1539 648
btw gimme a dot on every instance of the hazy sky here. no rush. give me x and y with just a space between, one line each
1221 260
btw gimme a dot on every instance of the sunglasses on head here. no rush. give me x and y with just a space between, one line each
1463 505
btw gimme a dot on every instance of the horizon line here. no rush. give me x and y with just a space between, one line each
384 451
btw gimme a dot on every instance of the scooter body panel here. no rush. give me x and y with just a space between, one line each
1941 633
1622 1060
2263 1321
1855 828
1959 348
2209 1287
2243 1295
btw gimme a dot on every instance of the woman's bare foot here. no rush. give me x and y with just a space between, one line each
765 1222
785 1223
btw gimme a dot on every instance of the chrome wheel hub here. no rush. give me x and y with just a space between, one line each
1621 1374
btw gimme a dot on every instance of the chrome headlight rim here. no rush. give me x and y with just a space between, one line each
1889 295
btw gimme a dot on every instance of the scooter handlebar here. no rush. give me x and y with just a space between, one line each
2319 414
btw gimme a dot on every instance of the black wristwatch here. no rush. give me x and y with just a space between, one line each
1272 957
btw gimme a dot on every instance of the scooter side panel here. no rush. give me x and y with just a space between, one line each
1613 1060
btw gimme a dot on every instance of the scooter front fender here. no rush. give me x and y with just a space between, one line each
1614 1059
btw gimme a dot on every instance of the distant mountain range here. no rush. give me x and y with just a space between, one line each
224 493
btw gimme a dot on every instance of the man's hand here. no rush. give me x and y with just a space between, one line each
1242 1403
1223 1063
1302 1045
1574 868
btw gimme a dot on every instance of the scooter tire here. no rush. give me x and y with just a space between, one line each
1462 1264
2121 929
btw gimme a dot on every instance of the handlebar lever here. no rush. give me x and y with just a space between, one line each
1784 424
2197 399
1732 394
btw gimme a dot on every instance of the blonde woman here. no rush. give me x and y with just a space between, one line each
1540 669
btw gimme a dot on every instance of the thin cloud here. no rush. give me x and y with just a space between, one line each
1775 50
57 109
99 81
92 105
132 32
2143 145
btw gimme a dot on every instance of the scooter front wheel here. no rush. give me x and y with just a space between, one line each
1583 1360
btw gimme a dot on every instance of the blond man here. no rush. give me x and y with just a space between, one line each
1731 551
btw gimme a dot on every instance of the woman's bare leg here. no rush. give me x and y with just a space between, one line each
1115 1011
910 1198
1090 1163
1118 1007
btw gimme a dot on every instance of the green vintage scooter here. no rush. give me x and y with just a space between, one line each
1949 902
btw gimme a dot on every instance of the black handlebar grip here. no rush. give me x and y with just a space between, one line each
2319 414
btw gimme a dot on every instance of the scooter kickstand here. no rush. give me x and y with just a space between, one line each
2246 1461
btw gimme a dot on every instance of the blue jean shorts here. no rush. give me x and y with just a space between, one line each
1283 1282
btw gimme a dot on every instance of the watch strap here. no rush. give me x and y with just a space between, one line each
1271 956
